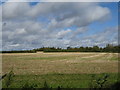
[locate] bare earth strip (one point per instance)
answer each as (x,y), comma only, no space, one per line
(71,63)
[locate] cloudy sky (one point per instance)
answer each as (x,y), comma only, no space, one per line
(28,25)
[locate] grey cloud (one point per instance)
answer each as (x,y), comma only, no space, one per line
(14,10)
(63,33)
(23,29)
(107,36)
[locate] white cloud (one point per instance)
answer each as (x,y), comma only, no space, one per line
(21,31)
(15,45)
(63,33)
(27,27)
(79,31)
(13,10)
(107,36)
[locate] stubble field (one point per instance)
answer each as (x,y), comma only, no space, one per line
(44,63)
(67,65)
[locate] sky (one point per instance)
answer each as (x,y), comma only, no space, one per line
(29,25)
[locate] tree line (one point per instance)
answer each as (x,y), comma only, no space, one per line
(19,51)
(107,48)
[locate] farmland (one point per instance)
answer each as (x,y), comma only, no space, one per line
(69,69)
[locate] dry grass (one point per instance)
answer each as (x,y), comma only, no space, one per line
(45,63)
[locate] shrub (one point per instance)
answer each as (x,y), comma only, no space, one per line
(99,82)
(8,78)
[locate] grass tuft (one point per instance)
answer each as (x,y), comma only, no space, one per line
(8,78)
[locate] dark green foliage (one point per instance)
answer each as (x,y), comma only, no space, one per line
(8,78)
(108,48)
(99,82)
(46,85)
(22,51)
(27,85)
(60,81)
(3,76)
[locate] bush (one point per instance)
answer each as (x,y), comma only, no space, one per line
(99,82)
(8,78)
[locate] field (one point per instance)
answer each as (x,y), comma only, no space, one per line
(64,69)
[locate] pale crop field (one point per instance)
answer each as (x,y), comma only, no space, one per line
(62,62)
